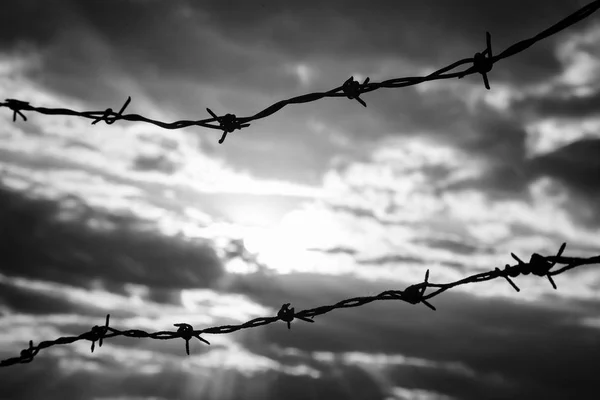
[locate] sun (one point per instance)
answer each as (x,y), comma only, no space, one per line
(285,247)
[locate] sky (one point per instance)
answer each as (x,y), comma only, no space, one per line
(318,203)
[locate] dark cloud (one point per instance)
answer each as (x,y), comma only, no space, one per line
(441,115)
(386,28)
(391,259)
(558,105)
(502,181)
(577,167)
(496,136)
(31,302)
(500,141)
(158,163)
(342,383)
(143,41)
(454,246)
(336,250)
(453,384)
(69,252)
(573,167)
(403,111)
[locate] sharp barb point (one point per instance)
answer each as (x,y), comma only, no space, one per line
(562,248)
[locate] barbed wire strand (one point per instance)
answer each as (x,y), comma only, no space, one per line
(537,265)
(482,63)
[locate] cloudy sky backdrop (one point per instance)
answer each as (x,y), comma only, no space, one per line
(315,204)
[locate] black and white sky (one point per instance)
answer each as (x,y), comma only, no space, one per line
(315,204)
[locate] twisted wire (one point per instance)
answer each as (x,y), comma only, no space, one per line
(481,63)
(537,265)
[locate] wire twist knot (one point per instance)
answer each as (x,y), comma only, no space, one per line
(16,106)
(228,123)
(108,116)
(28,354)
(414,293)
(186,332)
(97,333)
(538,265)
(287,314)
(353,89)
(482,62)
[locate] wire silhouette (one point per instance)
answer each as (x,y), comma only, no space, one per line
(538,265)
(482,63)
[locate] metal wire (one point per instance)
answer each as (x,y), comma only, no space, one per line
(481,63)
(415,294)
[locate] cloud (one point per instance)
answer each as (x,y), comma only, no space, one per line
(355,29)
(310,206)
(157,163)
(71,252)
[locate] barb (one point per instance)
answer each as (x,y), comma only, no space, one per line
(352,89)
(16,106)
(414,294)
(186,332)
(28,354)
(97,333)
(110,116)
(482,64)
(288,315)
(228,123)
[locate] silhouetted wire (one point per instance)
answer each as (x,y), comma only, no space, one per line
(538,265)
(482,63)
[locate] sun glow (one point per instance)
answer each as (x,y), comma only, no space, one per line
(286,246)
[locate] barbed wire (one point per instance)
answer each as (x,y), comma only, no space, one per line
(537,265)
(482,63)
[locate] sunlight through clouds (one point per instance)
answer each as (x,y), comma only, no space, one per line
(320,202)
